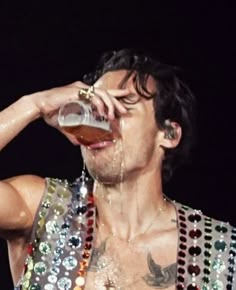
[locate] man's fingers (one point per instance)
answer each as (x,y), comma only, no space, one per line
(119,106)
(99,104)
(80,85)
(118,92)
(105,100)
(105,103)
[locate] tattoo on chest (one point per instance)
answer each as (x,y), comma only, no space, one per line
(158,277)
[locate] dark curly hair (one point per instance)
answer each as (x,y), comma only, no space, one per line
(172,101)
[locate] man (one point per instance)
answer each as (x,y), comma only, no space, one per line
(127,234)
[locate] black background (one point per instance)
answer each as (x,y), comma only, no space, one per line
(42,46)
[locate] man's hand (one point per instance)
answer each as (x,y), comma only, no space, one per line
(49,102)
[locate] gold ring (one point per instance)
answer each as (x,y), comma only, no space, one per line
(86,94)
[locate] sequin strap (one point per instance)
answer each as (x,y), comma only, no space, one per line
(61,244)
(206,252)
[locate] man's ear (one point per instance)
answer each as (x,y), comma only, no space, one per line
(170,135)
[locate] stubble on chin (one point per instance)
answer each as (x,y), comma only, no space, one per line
(104,169)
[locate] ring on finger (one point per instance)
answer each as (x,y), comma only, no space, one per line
(86,94)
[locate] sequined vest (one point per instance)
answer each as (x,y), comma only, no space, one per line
(206,252)
(62,237)
(61,245)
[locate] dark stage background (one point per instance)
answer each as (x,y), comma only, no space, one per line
(44,46)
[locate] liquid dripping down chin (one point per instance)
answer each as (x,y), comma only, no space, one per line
(122,167)
(117,166)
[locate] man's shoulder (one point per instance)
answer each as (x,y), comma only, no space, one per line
(197,216)
(25,180)
(27,184)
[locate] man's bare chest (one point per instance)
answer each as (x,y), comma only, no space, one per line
(119,265)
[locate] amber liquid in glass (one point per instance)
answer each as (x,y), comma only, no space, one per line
(87,135)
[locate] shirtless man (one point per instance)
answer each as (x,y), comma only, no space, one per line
(141,239)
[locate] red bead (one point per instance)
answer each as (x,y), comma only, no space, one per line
(86,255)
(87,246)
(195,234)
(193,287)
(180,287)
(194,269)
(90,222)
(90,231)
(91,199)
(89,213)
(30,249)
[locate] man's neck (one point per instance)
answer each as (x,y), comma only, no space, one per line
(129,208)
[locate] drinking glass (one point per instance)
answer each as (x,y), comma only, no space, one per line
(83,121)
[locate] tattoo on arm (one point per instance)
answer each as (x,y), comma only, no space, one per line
(159,277)
(97,253)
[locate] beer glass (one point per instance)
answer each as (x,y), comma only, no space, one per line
(83,121)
